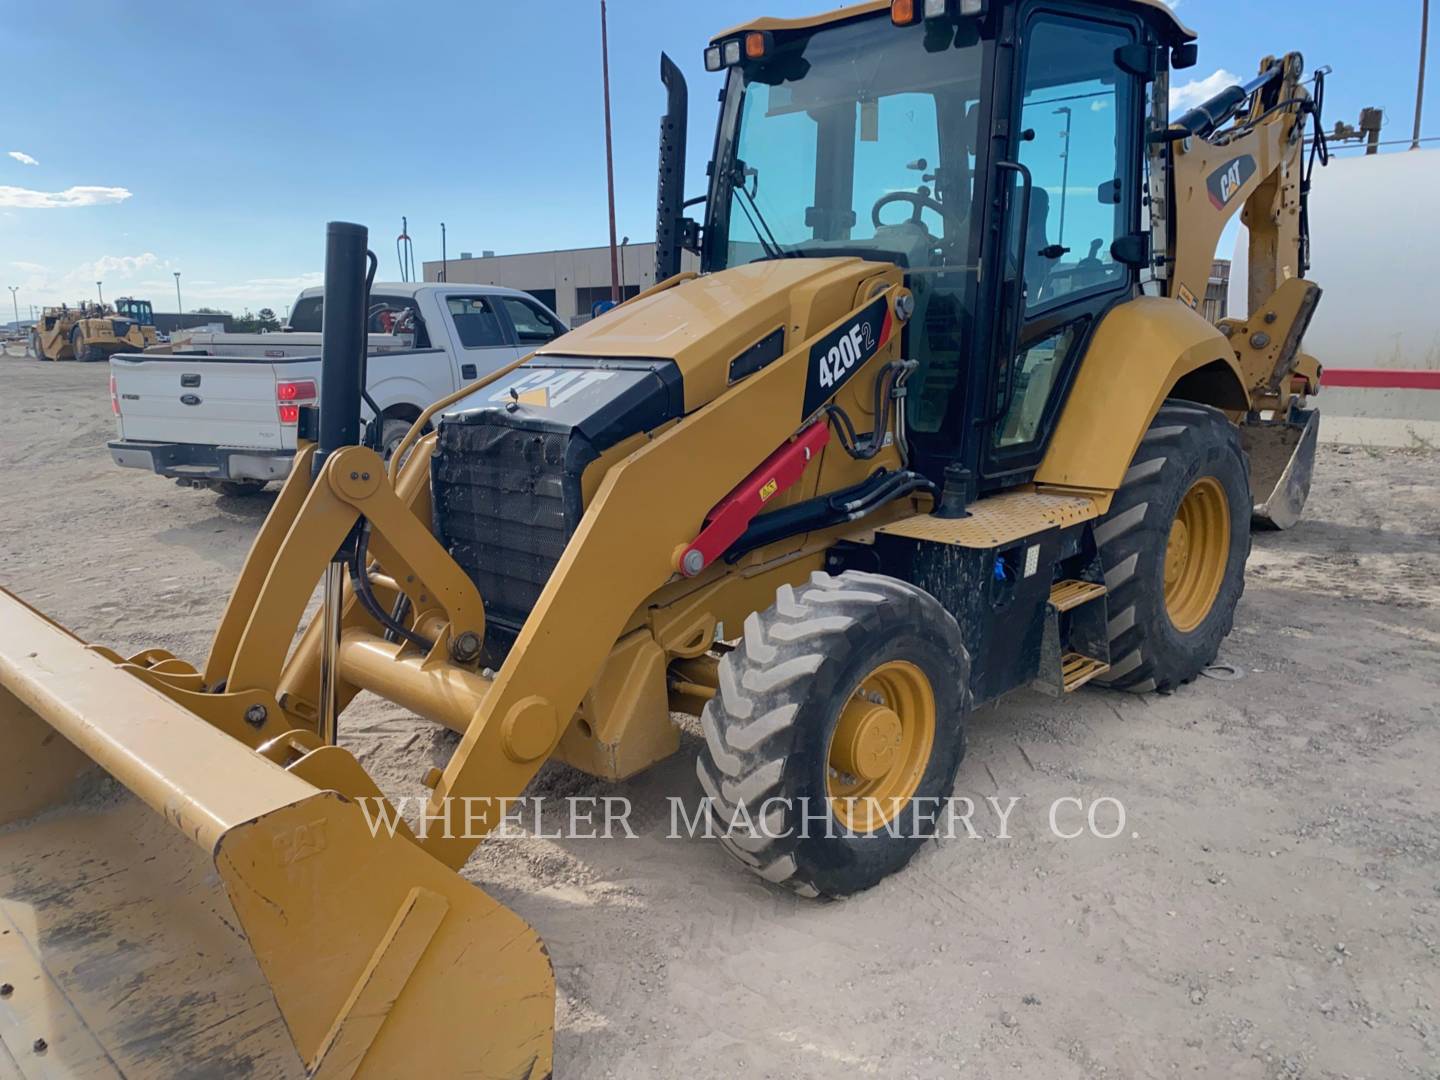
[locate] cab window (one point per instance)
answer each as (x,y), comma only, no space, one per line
(533,325)
(476,322)
(397,315)
(306,315)
(1075,103)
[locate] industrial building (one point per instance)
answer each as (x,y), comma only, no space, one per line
(569,281)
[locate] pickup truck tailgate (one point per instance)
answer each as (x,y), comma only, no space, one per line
(202,400)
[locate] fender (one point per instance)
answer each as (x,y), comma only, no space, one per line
(391,390)
(1143,352)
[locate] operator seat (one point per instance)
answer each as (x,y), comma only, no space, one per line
(1038,266)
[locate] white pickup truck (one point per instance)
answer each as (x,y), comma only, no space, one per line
(229,422)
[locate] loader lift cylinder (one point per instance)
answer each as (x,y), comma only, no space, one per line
(342,338)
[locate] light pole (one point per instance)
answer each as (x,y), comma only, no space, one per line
(179,307)
(13,290)
(1069,115)
(1420,89)
(623,241)
(609,155)
(99,293)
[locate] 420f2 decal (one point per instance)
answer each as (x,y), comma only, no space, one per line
(842,352)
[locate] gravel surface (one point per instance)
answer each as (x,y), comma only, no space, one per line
(1271,907)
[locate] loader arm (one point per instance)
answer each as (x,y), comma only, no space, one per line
(607,571)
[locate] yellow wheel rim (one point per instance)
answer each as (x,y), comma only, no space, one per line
(881,746)
(1196,554)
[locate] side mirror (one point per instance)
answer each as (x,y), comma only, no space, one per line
(1132,250)
(1184,56)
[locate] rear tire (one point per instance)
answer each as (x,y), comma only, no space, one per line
(1173,587)
(870,657)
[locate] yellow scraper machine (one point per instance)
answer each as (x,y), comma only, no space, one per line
(937,419)
(90,332)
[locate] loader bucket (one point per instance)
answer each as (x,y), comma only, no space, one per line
(1282,459)
(213,914)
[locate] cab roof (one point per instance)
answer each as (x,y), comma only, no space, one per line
(1156,10)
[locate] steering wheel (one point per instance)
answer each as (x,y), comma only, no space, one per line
(920,199)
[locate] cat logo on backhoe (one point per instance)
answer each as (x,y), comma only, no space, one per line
(1225,181)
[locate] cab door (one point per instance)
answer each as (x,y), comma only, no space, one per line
(481,337)
(1073,221)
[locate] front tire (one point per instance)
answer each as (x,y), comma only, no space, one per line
(841,713)
(392,431)
(83,353)
(1174,546)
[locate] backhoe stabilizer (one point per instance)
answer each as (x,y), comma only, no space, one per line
(287,931)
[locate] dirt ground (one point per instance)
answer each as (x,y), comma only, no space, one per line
(1270,909)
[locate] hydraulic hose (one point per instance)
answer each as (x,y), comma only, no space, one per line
(360,581)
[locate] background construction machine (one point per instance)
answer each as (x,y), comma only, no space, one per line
(93,331)
(899,448)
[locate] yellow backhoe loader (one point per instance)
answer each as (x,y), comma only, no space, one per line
(937,419)
(91,332)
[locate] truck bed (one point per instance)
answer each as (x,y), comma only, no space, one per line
(219,400)
(268,346)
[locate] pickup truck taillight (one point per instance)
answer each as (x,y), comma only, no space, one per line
(114,397)
(290,394)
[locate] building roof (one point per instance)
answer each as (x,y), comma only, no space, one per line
(410,288)
(1156,9)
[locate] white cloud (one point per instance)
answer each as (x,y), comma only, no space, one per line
(122,265)
(1196,91)
(27,199)
(58,285)
(23,158)
(234,296)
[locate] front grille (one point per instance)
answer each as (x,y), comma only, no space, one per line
(507,500)
(505,475)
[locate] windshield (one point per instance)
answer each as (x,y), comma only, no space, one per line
(860,139)
(139,310)
(859,136)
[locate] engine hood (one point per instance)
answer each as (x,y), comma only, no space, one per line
(708,324)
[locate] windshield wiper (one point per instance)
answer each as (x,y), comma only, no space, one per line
(761,228)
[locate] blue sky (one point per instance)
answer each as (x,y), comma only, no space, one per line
(217,139)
